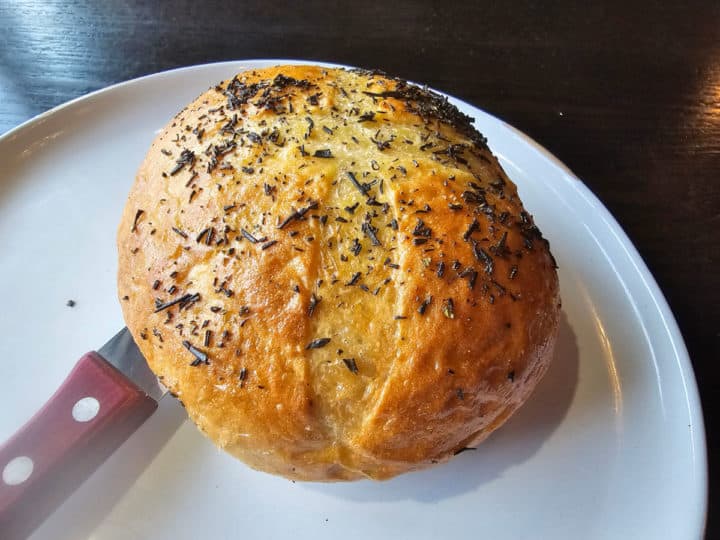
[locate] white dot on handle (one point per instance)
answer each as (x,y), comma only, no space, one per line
(17,470)
(85,409)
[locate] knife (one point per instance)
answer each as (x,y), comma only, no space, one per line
(104,399)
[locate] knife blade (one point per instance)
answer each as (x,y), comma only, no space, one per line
(104,399)
(122,353)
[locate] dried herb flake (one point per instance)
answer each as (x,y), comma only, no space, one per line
(351,365)
(317,343)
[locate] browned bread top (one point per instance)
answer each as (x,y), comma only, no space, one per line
(334,274)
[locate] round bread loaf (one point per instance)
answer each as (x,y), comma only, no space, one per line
(332,272)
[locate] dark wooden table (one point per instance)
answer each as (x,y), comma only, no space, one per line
(628,96)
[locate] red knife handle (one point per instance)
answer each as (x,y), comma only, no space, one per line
(94,411)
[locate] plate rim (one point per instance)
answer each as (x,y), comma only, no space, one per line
(680,353)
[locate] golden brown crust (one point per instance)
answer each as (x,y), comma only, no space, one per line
(297,204)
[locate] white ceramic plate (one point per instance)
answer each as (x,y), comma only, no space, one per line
(611,445)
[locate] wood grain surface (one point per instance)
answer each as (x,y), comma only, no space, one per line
(627,94)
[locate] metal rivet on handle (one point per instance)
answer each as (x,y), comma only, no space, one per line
(17,470)
(85,409)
